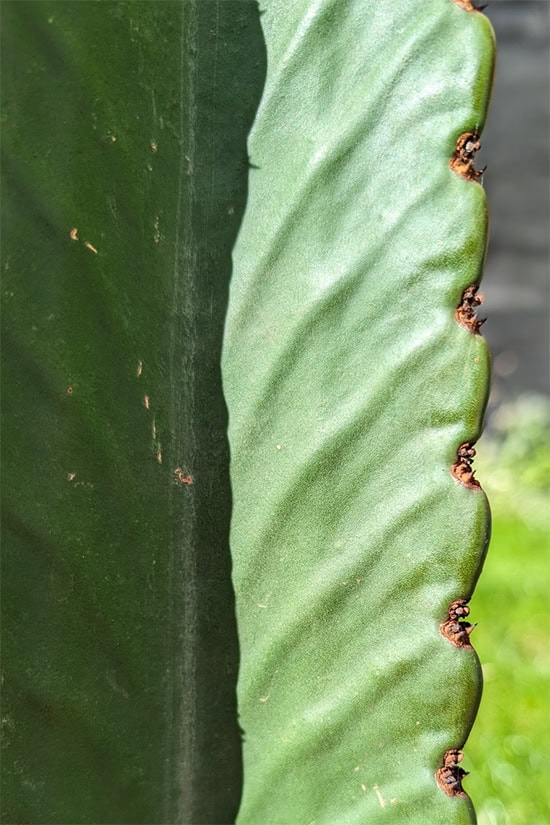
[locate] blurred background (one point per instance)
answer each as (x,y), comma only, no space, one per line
(508,752)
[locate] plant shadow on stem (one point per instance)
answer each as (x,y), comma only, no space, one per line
(230,72)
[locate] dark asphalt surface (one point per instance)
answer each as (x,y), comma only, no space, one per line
(516,283)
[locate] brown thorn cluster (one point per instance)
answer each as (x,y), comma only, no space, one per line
(465,313)
(462,162)
(462,468)
(449,777)
(455,629)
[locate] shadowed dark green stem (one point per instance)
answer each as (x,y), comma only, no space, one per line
(125,169)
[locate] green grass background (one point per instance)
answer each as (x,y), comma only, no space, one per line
(508,752)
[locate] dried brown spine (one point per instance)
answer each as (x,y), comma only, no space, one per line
(465,313)
(462,161)
(455,630)
(467,5)
(449,776)
(462,468)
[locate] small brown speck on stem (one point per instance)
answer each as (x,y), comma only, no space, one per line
(183,479)
(69,390)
